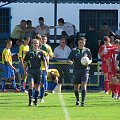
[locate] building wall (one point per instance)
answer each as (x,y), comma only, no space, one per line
(70,12)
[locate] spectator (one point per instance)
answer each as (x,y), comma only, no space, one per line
(18,33)
(69,31)
(8,68)
(61,53)
(42,29)
(30,31)
(104,31)
(92,40)
(117,32)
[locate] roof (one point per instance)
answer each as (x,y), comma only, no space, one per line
(64,1)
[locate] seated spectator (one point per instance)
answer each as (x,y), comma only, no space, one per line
(52,79)
(62,51)
(18,33)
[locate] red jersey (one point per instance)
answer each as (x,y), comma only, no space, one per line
(105,49)
(112,54)
(104,57)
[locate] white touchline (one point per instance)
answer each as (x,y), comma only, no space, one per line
(67,117)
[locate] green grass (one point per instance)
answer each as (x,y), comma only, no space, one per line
(98,106)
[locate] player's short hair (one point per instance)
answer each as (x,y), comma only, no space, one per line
(61,20)
(117,41)
(38,36)
(26,38)
(82,38)
(106,38)
(8,41)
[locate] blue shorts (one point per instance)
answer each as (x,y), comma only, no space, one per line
(21,71)
(8,72)
(81,76)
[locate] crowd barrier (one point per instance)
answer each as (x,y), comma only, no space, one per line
(66,73)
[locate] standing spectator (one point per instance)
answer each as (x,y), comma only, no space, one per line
(18,33)
(42,29)
(104,31)
(33,60)
(81,72)
(117,32)
(30,31)
(24,48)
(69,31)
(92,40)
(61,53)
(8,68)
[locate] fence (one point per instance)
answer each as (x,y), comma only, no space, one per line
(66,73)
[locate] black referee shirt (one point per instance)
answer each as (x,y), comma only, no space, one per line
(76,55)
(33,58)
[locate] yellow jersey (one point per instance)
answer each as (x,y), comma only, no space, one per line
(42,65)
(6,56)
(22,51)
(52,70)
(50,52)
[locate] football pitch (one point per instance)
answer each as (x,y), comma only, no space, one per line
(98,106)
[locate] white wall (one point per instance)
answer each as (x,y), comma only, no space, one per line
(70,12)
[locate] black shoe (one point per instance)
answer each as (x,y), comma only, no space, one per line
(82,104)
(112,95)
(30,104)
(35,103)
(77,103)
(46,93)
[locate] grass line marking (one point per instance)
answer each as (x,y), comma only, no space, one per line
(67,116)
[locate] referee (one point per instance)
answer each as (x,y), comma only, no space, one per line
(81,72)
(33,60)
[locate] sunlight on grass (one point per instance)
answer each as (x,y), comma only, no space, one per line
(98,106)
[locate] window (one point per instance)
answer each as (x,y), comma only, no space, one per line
(5,23)
(98,17)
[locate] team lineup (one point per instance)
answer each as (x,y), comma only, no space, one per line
(34,56)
